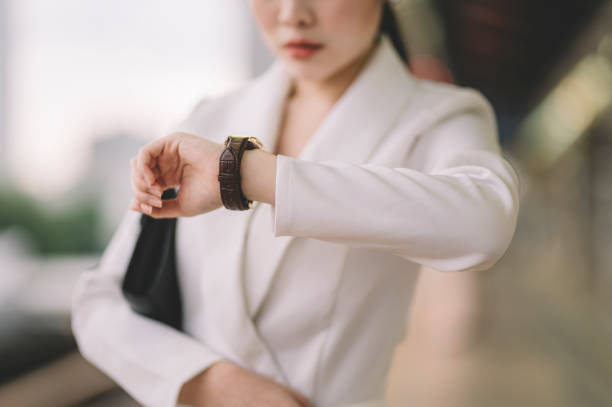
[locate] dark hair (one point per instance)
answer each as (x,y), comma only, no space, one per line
(389,26)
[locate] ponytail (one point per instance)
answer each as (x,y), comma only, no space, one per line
(389,26)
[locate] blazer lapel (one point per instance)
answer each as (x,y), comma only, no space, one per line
(357,123)
(351,131)
(365,113)
(257,112)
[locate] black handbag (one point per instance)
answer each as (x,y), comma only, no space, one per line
(151,284)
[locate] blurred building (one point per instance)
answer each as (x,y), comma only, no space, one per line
(107,179)
(3,88)
(545,336)
(508,48)
(79,69)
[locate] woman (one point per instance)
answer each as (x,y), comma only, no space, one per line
(366,175)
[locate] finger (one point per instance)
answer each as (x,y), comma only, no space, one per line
(139,184)
(170,209)
(147,158)
(148,199)
(135,205)
(157,174)
(300,398)
(136,179)
(148,209)
(149,196)
(140,207)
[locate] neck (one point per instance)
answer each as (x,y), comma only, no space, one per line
(332,87)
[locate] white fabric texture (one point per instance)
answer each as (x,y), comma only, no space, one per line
(313,291)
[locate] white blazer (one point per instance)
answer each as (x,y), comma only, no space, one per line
(313,292)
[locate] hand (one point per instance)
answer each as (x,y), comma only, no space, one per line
(226,384)
(183,160)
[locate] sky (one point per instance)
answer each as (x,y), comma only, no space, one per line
(85,69)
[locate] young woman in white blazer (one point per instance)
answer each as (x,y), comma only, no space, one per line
(367,174)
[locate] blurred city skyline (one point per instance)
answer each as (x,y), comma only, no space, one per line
(79,71)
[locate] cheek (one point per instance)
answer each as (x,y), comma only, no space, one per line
(352,20)
(265,12)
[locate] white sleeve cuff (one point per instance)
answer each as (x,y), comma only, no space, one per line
(283,206)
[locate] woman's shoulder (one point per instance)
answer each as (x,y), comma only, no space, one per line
(435,101)
(440,97)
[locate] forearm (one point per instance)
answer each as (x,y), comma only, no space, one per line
(258,175)
(456,219)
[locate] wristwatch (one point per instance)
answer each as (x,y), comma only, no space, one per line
(229,171)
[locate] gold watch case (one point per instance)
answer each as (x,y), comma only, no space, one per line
(252,139)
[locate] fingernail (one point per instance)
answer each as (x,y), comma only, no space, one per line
(156,202)
(146,208)
(156,192)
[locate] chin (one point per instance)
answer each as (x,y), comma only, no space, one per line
(309,70)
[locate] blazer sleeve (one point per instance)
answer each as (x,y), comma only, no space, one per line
(457,212)
(148,359)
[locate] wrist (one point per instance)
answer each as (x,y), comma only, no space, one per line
(193,392)
(258,175)
(190,391)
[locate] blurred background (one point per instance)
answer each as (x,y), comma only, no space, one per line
(84,84)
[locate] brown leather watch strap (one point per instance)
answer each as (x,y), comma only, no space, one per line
(229,171)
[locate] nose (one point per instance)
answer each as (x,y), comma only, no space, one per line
(295,13)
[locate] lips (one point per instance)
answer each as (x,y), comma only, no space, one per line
(302,48)
(303,43)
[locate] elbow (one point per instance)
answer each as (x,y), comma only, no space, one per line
(80,312)
(80,309)
(483,238)
(476,240)
(476,255)
(90,296)
(494,224)
(490,253)
(494,235)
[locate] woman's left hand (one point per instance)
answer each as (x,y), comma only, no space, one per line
(183,160)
